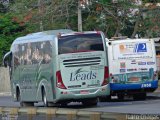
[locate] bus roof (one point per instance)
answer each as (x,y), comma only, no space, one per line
(48,35)
(129,39)
(52,32)
(84,32)
(42,34)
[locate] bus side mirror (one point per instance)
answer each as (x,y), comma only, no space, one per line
(5,63)
(7,59)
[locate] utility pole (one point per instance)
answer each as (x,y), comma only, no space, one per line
(79,16)
(41,11)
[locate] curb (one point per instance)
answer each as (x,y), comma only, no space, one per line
(5,94)
(158,90)
(58,113)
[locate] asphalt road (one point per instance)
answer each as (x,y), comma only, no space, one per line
(150,106)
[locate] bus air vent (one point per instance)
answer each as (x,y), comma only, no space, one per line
(82,62)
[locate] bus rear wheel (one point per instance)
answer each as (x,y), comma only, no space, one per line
(105,99)
(139,96)
(120,97)
(91,102)
(18,95)
(44,98)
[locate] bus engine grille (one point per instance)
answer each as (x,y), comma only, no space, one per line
(82,62)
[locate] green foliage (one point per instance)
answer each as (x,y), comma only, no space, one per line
(3,8)
(9,31)
(100,15)
(151,22)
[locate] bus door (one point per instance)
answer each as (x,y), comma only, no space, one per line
(15,69)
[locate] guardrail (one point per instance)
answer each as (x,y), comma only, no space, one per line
(56,113)
(4,80)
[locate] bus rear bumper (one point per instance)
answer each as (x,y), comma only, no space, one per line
(80,94)
(149,86)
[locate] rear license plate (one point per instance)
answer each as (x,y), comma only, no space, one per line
(134,79)
(84,92)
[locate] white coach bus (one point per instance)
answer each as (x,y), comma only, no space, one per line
(58,67)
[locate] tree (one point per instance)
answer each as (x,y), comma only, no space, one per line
(114,17)
(98,15)
(10,29)
(151,19)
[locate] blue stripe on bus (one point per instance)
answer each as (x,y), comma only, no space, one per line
(149,84)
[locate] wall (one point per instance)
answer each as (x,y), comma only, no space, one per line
(4,80)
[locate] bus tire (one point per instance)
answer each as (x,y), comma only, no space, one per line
(63,104)
(44,98)
(105,99)
(51,104)
(18,95)
(120,96)
(139,96)
(91,102)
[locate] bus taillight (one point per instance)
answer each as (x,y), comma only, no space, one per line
(106,77)
(59,82)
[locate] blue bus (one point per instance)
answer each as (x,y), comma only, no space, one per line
(132,67)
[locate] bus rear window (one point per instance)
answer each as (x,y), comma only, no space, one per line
(80,43)
(132,50)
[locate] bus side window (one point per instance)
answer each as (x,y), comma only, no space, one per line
(16,59)
(36,55)
(47,52)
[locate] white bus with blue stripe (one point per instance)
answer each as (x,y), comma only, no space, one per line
(132,67)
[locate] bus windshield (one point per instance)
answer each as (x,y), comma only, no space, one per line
(80,43)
